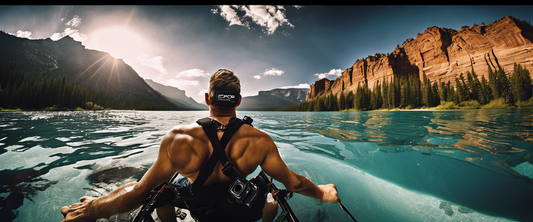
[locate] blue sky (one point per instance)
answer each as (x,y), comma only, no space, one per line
(266,46)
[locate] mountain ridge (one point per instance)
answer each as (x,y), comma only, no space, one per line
(177,96)
(273,99)
(92,69)
(442,54)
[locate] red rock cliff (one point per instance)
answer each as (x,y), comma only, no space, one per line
(442,54)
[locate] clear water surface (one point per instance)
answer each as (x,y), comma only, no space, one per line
(460,165)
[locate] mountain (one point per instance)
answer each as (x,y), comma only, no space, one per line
(94,70)
(442,54)
(177,96)
(273,99)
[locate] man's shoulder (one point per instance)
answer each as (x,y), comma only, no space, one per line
(184,132)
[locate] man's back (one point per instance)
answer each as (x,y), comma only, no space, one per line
(189,149)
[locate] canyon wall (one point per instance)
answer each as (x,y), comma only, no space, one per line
(442,54)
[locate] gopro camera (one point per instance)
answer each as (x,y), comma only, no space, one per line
(244,191)
(226,97)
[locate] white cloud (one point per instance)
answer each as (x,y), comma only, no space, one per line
(154,62)
(70,32)
(74,33)
(192,73)
(202,92)
(273,72)
(267,16)
(181,84)
(23,34)
(333,72)
(229,14)
(74,22)
(257,77)
(299,86)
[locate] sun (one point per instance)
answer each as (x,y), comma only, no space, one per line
(120,42)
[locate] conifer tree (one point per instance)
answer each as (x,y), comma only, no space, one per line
(521,85)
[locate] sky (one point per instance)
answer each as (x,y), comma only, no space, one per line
(267,46)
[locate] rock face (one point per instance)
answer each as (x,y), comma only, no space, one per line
(442,54)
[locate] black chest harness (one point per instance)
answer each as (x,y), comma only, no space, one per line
(238,200)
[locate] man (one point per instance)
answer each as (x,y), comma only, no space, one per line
(186,149)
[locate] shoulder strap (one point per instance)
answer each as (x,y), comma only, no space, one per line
(218,149)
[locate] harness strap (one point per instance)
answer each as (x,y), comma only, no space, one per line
(218,150)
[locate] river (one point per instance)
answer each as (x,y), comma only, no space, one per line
(423,165)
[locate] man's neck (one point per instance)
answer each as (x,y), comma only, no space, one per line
(220,113)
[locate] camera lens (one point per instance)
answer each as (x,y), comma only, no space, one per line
(238,188)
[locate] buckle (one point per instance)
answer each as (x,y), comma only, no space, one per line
(227,166)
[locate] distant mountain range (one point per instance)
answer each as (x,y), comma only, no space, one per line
(273,99)
(105,77)
(176,96)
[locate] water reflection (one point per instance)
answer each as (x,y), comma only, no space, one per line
(498,140)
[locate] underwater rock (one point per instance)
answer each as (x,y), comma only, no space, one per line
(447,207)
(115,174)
(448,210)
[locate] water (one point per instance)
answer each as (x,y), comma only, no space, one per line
(461,165)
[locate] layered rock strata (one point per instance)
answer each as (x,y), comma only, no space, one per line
(442,54)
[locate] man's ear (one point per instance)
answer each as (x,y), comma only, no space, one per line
(207,99)
(239,102)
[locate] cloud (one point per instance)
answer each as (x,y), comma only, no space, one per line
(154,62)
(268,17)
(270,72)
(181,84)
(299,86)
(23,34)
(74,22)
(229,14)
(192,73)
(333,72)
(273,72)
(202,92)
(74,33)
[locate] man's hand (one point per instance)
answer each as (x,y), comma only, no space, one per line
(330,193)
(78,211)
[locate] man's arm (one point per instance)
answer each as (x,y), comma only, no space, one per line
(128,197)
(274,166)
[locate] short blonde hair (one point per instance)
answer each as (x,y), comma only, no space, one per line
(223,78)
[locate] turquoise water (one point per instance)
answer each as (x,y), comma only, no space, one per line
(461,165)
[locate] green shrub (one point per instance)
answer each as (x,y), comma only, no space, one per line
(471,104)
(446,105)
(497,103)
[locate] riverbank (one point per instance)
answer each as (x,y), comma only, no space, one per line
(472,104)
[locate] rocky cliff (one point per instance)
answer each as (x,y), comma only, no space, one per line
(442,54)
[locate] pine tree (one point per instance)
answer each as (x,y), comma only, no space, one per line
(504,86)
(474,85)
(485,91)
(342,101)
(521,85)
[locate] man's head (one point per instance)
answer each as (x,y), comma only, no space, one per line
(224,89)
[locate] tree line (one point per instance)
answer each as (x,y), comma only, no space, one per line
(410,92)
(19,90)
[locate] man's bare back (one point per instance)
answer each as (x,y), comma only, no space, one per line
(189,149)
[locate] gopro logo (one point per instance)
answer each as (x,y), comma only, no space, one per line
(225,97)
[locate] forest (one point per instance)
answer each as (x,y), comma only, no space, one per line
(411,92)
(19,90)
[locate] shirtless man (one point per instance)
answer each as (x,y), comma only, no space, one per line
(185,149)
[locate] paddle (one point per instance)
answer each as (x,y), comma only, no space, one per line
(346,210)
